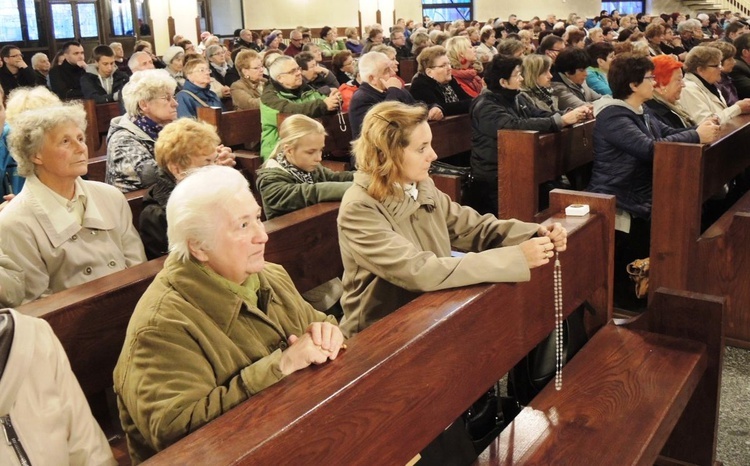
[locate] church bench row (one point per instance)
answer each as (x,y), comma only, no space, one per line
(717,260)
(91,319)
(404,379)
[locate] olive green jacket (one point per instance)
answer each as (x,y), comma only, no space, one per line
(194,349)
(394,250)
(283,193)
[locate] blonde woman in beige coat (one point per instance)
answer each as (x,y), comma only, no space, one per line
(396,230)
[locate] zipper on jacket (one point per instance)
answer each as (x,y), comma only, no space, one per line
(11,438)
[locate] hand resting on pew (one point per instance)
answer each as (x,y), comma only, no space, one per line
(539,251)
(320,342)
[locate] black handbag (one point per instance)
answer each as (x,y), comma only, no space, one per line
(441,168)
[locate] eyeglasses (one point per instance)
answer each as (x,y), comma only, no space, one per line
(15,56)
(445,66)
(292,71)
(650,77)
(714,66)
(202,70)
(257,68)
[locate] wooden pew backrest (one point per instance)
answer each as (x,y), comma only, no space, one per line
(239,129)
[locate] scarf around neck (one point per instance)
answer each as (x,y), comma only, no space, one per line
(148,126)
(301,175)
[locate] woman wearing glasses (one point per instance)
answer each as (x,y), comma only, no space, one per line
(246,92)
(197,89)
(435,85)
(624,138)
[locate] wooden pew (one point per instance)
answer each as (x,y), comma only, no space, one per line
(407,68)
(398,385)
(135,201)
(91,319)
(97,168)
(98,117)
(526,159)
(338,136)
(715,261)
(238,129)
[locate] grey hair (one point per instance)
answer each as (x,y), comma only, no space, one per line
(700,57)
(370,63)
(277,66)
(133,61)
(31,127)
(115,45)
(386,49)
(36,57)
(212,49)
(146,85)
(690,24)
(192,213)
(28,98)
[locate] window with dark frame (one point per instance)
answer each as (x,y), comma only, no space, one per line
(628,7)
(448,10)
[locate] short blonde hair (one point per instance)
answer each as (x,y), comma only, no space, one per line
(243,59)
(191,65)
(727,50)
(379,150)
(30,128)
(182,140)
(384,49)
(146,85)
(456,47)
(28,98)
(294,128)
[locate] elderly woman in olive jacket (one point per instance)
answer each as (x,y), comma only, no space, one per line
(218,324)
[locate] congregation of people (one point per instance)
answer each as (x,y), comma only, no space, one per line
(218,324)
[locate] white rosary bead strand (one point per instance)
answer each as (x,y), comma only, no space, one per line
(557,282)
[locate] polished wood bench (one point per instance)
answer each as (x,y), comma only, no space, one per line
(91,319)
(99,117)
(135,201)
(526,159)
(717,260)
(399,383)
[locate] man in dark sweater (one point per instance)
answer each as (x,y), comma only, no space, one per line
(104,85)
(15,72)
(65,79)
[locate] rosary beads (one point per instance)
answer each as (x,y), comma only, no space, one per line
(557,281)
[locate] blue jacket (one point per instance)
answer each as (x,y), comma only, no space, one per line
(11,182)
(187,106)
(624,153)
(597,81)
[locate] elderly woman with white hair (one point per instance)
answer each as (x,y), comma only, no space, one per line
(218,324)
(62,230)
(149,105)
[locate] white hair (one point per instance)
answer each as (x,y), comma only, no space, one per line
(133,61)
(196,205)
(35,59)
(31,127)
(146,85)
(370,64)
(278,64)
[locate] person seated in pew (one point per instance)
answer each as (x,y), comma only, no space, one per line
(486,48)
(390,52)
(464,65)
(396,230)
(353,43)
(378,84)
(435,85)
(498,108)
(218,324)
(183,145)
(220,69)
(601,54)
(246,92)
(140,61)
(624,138)
(342,66)
(330,44)
(43,412)
(65,79)
(536,87)
(294,179)
(315,75)
(12,182)
(173,57)
(569,79)
(197,90)
(348,89)
(286,93)
(149,105)
(106,83)
(725,84)
(120,62)
(701,97)
(668,85)
(62,230)
(41,65)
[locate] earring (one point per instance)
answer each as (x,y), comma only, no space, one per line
(247,76)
